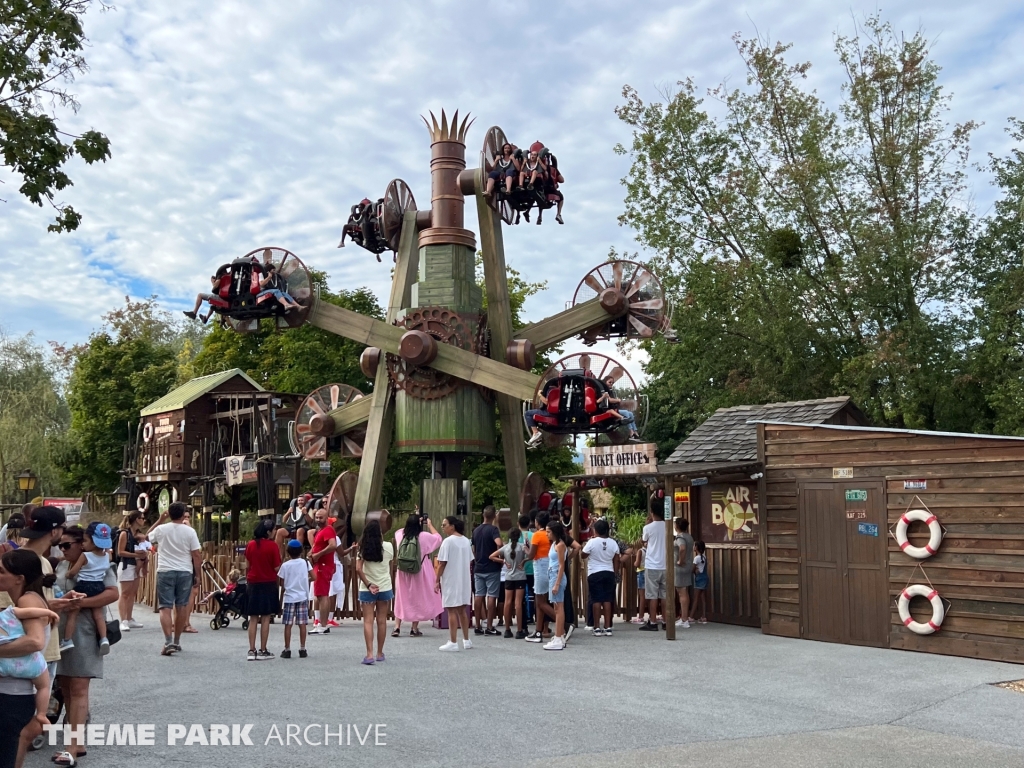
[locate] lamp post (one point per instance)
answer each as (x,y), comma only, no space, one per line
(121,496)
(26,482)
(283,488)
(195,499)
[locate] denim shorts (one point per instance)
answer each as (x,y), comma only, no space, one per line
(173,588)
(366,596)
(540,578)
(558,597)
(487,584)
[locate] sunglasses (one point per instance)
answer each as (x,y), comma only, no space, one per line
(65,545)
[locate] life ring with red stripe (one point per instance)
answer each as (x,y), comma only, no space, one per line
(938,611)
(142,503)
(147,432)
(934,533)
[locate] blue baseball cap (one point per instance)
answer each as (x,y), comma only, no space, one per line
(294,544)
(100,535)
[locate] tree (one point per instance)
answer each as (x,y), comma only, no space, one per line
(808,250)
(41,44)
(33,415)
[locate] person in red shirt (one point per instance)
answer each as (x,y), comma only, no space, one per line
(264,559)
(321,555)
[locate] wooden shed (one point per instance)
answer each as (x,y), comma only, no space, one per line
(832,496)
(714,470)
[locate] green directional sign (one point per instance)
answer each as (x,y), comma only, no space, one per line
(856,495)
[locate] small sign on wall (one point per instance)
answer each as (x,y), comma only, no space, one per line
(856,514)
(915,485)
(867,529)
(682,497)
(842,473)
(626,459)
(856,494)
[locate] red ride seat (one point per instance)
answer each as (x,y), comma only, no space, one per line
(589,399)
(594,420)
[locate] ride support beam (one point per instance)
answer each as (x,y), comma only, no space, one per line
(381,418)
(557,328)
(460,363)
(499,319)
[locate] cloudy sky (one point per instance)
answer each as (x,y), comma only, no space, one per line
(240,124)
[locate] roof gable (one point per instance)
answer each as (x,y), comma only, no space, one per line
(730,434)
(192,390)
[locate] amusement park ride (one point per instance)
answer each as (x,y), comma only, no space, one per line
(440,363)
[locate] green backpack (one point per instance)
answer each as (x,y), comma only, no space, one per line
(409,560)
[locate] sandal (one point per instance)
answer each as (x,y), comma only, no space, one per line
(417,633)
(193,631)
(64,758)
(398,632)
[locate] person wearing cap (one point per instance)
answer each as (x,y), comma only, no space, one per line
(295,574)
(90,572)
(11,532)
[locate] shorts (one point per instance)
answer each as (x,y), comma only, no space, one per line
(488,584)
(322,577)
(512,586)
(558,597)
(503,173)
(295,613)
(654,587)
(173,588)
(640,581)
(366,596)
(684,577)
(293,530)
(602,587)
(91,588)
(540,579)
(127,573)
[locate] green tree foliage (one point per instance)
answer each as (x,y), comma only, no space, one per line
(41,43)
(807,249)
(33,416)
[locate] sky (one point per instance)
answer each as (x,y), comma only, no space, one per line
(235,125)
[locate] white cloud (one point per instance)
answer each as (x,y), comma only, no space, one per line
(235,125)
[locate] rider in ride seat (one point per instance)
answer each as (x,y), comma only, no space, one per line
(505,169)
(533,169)
(628,418)
(273,286)
(221,284)
(552,178)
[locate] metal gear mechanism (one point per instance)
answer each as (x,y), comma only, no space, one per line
(447,327)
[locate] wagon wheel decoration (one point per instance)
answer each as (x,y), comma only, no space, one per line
(297,284)
(397,200)
(648,310)
(494,140)
(601,367)
(533,486)
(423,382)
(318,403)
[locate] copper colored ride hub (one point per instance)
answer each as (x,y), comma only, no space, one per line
(614,301)
(369,361)
(417,348)
(322,424)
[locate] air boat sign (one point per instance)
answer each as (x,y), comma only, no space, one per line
(628,459)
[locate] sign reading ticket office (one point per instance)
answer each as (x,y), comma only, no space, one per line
(627,459)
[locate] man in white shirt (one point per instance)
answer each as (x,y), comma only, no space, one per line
(178,564)
(654,558)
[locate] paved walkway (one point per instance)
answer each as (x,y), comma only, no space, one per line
(719,696)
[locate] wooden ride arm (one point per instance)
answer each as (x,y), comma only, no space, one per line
(575,320)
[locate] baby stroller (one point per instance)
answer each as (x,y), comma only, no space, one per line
(226,605)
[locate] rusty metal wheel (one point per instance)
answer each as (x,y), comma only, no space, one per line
(447,327)
(297,284)
(649,311)
(398,200)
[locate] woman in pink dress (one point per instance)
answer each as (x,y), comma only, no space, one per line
(415,598)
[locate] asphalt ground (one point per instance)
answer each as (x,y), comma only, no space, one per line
(718,696)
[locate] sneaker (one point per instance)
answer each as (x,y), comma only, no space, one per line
(597,631)
(683,624)
(314,630)
(333,623)
(126,627)
(636,620)
(588,628)
(133,624)
(492,632)
(190,315)
(558,218)
(703,621)
(534,638)
(104,646)
(568,633)
(508,633)
(264,655)
(286,653)
(66,645)
(467,645)
(449,647)
(521,634)
(607,633)
(648,627)
(556,644)
(535,438)
(479,630)
(302,653)
(250,656)
(324,631)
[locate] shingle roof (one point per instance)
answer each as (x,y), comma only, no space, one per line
(193,390)
(731,435)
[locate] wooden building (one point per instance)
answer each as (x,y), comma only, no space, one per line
(832,496)
(712,478)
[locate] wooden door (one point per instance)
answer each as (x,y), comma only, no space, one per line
(843,573)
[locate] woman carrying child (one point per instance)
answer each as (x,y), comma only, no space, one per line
(373,571)
(24,632)
(90,570)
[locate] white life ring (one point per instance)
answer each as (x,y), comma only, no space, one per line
(142,503)
(147,432)
(934,533)
(938,612)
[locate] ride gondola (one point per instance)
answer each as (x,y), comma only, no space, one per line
(377,226)
(524,195)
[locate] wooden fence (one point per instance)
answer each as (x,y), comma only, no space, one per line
(226,556)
